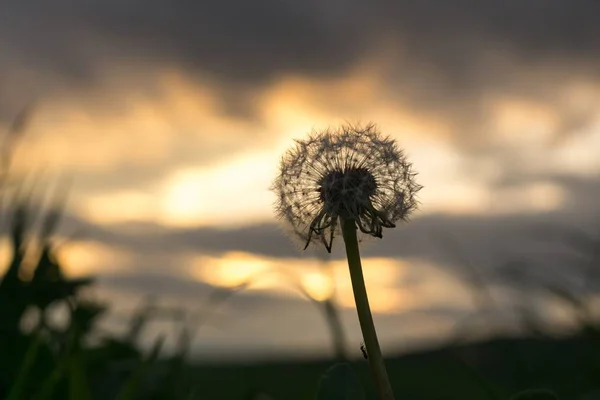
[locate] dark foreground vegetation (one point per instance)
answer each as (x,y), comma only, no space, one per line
(494,369)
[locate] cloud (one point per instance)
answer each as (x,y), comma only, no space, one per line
(133,92)
(155,259)
(130,92)
(247,43)
(245,325)
(431,52)
(559,240)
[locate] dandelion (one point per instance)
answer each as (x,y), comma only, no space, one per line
(340,182)
(349,174)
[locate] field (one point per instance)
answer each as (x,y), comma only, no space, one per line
(488,370)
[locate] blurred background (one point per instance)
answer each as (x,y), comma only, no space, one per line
(155,128)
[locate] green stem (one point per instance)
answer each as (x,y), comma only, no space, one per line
(364,311)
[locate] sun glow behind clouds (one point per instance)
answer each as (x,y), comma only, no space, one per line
(79,259)
(91,258)
(231,193)
(121,206)
(184,122)
(320,280)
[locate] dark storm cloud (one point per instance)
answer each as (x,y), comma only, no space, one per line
(253,41)
(442,50)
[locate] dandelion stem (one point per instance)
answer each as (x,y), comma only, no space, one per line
(364,311)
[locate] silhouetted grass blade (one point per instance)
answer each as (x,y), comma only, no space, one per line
(49,385)
(78,384)
(131,386)
(20,385)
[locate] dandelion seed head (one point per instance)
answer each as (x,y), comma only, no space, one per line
(349,173)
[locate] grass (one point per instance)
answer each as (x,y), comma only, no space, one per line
(484,370)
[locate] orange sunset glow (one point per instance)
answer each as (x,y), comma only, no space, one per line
(171,137)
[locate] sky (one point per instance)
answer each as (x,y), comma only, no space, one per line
(170,118)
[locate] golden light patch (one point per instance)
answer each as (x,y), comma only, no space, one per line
(581,95)
(314,97)
(229,270)
(273,275)
(534,197)
(5,254)
(91,258)
(77,259)
(382,276)
(318,285)
(545,196)
(183,199)
(578,153)
(382,300)
(447,189)
(233,193)
(523,122)
(122,206)
(456,198)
